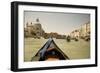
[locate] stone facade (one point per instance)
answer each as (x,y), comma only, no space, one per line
(75,33)
(85,30)
(82,32)
(33,30)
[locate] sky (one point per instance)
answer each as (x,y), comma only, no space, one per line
(62,23)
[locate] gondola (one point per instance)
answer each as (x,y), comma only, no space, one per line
(50,51)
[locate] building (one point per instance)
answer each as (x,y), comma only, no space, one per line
(34,29)
(75,34)
(82,32)
(85,30)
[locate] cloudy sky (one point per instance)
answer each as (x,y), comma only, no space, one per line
(62,23)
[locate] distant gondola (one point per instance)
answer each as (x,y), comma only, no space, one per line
(50,51)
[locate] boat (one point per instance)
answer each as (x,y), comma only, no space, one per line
(50,51)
